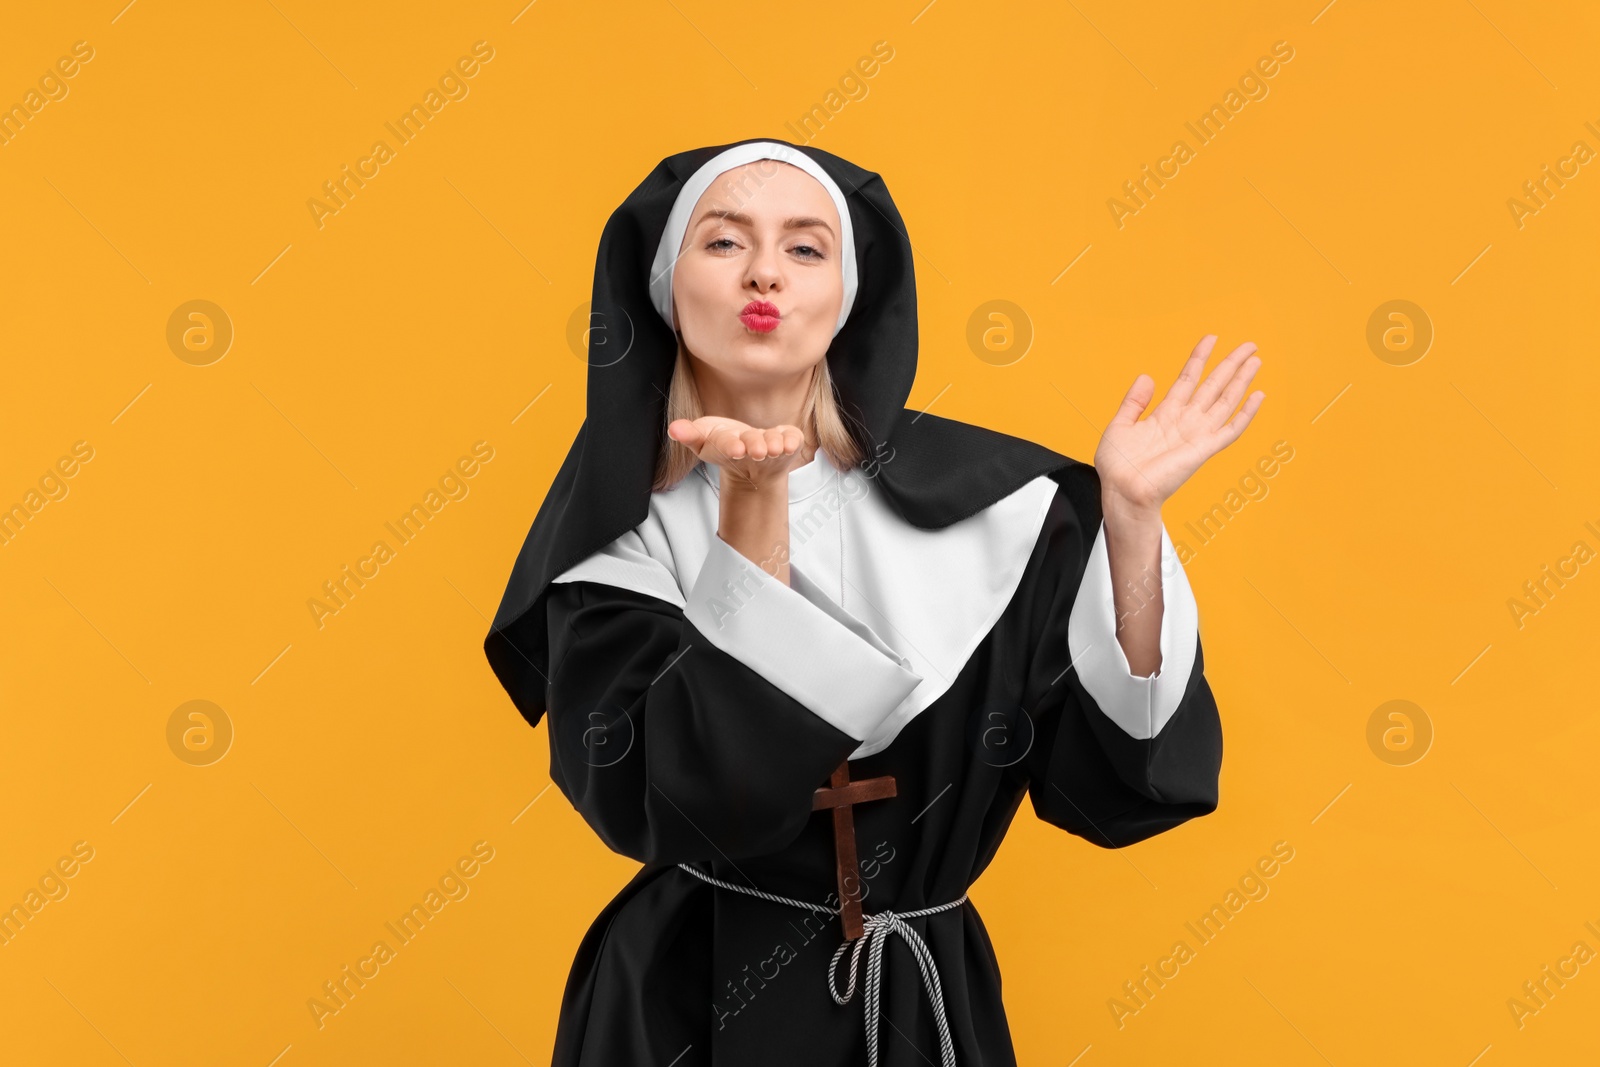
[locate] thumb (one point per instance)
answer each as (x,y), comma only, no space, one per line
(1137,399)
(685,432)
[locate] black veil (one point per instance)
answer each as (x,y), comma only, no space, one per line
(934,471)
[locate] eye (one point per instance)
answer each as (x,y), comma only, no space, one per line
(815,253)
(720,240)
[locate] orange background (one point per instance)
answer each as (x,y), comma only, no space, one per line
(369,754)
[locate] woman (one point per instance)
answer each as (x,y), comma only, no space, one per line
(757,574)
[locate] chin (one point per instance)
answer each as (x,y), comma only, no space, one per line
(761,353)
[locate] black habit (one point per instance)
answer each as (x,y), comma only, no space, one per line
(677,752)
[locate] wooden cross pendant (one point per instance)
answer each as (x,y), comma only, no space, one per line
(839,794)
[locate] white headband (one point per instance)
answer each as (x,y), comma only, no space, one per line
(700,181)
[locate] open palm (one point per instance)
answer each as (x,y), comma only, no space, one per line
(1144,461)
(745,454)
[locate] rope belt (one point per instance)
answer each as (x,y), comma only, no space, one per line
(876,929)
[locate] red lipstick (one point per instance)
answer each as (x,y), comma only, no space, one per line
(760,315)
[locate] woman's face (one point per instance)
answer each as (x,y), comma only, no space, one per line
(768,232)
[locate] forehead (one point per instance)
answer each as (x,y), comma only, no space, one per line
(767,188)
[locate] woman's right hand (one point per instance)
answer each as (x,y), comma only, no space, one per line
(746,456)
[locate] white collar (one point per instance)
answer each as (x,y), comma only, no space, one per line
(931,595)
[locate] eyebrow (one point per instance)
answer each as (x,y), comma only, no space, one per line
(797,223)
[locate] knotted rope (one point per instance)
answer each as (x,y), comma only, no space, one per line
(875,934)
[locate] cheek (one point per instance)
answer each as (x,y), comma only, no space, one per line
(692,289)
(704,319)
(828,297)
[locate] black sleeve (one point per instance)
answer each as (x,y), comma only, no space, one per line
(672,749)
(1087,775)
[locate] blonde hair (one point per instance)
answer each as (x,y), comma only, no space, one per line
(683,402)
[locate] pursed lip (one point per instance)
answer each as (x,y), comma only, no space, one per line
(762,316)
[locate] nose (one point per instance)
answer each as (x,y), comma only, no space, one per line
(764,274)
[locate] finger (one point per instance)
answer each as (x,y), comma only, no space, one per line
(1223,406)
(728,435)
(775,447)
(686,433)
(728,441)
(1189,377)
(756,443)
(1236,425)
(1223,373)
(1136,400)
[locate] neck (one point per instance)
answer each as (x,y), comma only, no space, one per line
(760,403)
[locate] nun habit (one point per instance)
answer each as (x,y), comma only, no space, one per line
(949,623)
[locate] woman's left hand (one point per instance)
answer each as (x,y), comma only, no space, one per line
(1142,462)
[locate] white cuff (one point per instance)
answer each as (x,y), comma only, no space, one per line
(799,640)
(1141,706)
